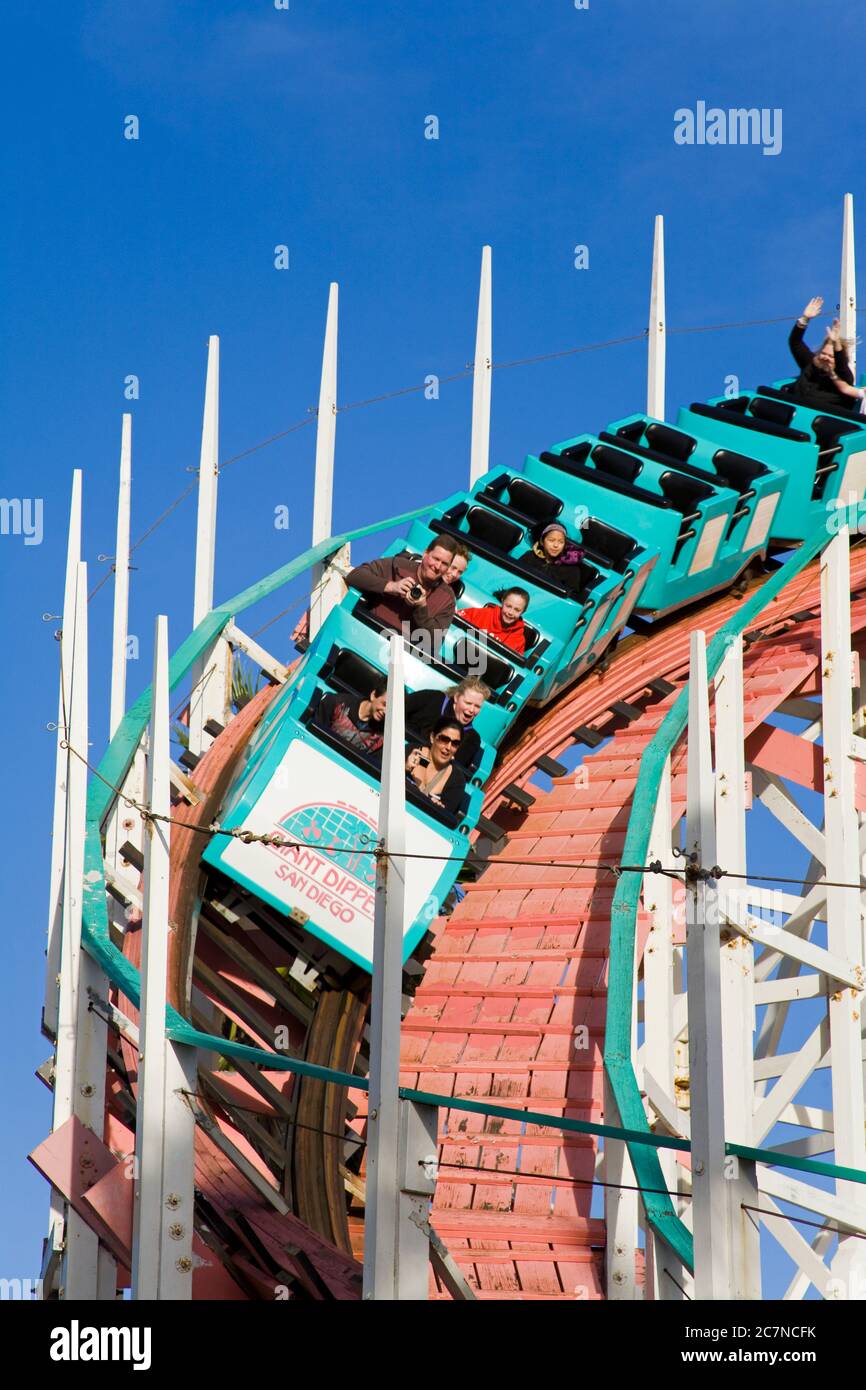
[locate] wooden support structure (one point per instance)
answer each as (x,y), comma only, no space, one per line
(165,1129)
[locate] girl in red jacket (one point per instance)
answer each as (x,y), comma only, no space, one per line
(505,623)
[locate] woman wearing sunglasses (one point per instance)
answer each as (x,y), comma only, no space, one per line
(432,768)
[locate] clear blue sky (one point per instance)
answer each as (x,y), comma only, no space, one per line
(305,127)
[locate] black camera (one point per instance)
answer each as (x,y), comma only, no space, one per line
(416,592)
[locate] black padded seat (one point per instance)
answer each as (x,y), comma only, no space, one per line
(351,672)
(474,655)
(532,501)
(732,417)
(526,503)
(675,443)
(787,393)
(502,559)
(612,548)
(685,493)
(656,456)
(739,469)
(458,586)
(777,412)
(617,462)
(606,480)
(498,531)
(828,430)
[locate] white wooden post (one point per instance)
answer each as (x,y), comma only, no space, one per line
(658,1046)
(655,399)
(482,375)
(79,1070)
(211,674)
(848,286)
(163,1213)
(381,1224)
(327,586)
(61,766)
(842,860)
(124,824)
(737,975)
(706,1085)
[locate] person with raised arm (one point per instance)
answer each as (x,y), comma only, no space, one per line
(826,381)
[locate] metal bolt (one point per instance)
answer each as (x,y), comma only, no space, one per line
(175,1230)
(183,1265)
(172,1201)
(87,1089)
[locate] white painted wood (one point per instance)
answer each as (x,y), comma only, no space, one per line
(706,1080)
(655,402)
(844,930)
(251,648)
(79,1073)
(620,1212)
(381,1216)
(61,765)
(848,284)
(482,374)
(211,674)
(162,1227)
(121,581)
(327,587)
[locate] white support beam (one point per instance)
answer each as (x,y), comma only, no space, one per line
(848,284)
(381,1262)
(211,674)
(164,1140)
(121,581)
(327,586)
(482,374)
(79,1072)
(61,765)
(706,1050)
(844,931)
(656,342)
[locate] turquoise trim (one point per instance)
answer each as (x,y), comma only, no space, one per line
(621,983)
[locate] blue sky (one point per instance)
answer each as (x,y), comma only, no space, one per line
(305,127)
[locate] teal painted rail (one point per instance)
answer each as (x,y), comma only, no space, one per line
(623,928)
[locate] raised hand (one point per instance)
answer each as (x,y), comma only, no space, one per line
(814,307)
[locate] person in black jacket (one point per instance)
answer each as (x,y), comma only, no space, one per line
(462,702)
(555,556)
(825,381)
(432,767)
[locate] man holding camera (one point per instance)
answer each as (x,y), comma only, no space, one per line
(411,593)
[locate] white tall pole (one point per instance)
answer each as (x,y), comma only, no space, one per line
(79,1068)
(210,674)
(381,1221)
(61,765)
(848,286)
(706,1082)
(163,1214)
(655,396)
(327,587)
(121,581)
(842,862)
(124,824)
(483,373)
(737,975)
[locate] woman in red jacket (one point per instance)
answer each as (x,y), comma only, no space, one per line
(505,623)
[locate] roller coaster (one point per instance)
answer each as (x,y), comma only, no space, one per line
(520,947)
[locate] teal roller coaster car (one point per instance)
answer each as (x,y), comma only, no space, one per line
(664,515)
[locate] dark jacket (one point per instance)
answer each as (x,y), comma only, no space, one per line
(571,577)
(451,794)
(813,386)
(425,707)
(434,616)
